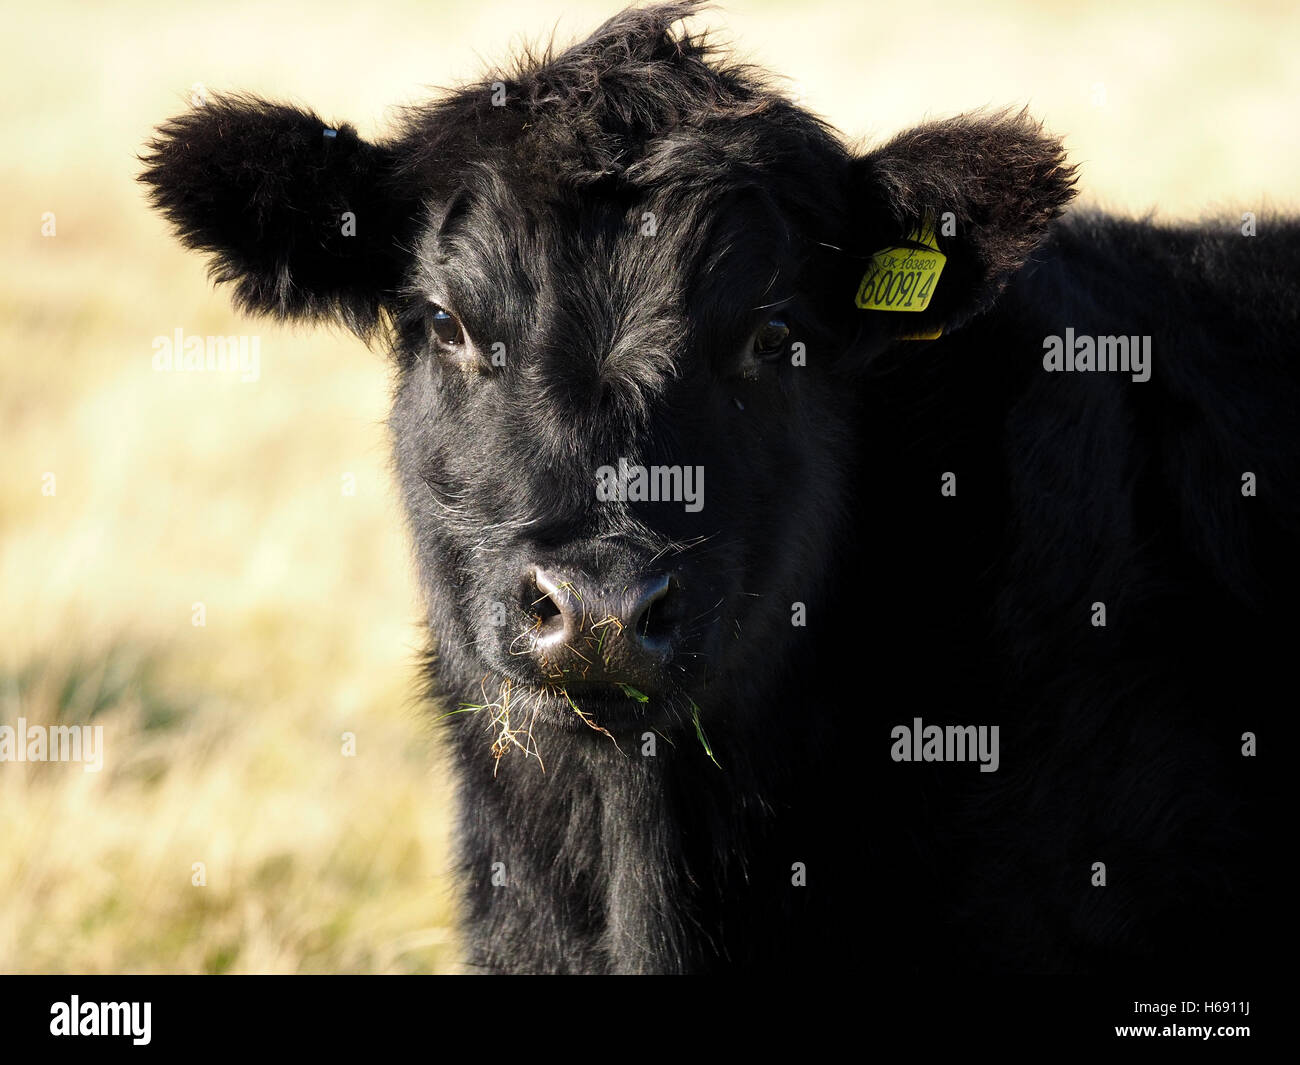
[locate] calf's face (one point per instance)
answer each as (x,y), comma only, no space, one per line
(609,454)
(618,287)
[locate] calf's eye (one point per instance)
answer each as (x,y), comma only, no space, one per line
(770,339)
(446,328)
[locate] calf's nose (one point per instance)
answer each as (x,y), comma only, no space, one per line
(587,633)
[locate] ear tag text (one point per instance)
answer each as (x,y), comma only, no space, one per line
(903,278)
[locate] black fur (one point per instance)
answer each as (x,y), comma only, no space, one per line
(1119,744)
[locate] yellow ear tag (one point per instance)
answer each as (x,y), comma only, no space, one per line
(903,279)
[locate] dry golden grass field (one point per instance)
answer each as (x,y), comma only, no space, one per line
(128,496)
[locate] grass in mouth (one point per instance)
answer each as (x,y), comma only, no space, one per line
(505,735)
(586,720)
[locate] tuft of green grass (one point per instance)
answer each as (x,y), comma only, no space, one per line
(633,693)
(465,708)
(699,733)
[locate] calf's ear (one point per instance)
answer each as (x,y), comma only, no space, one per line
(981,189)
(304,219)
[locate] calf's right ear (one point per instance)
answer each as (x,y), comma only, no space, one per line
(304,219)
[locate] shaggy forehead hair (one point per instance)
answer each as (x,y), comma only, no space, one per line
(535,206)
(635,105)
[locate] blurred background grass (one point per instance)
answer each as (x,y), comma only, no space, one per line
(223,742)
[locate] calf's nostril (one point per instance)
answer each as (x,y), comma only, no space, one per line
(548,601)
(648,616)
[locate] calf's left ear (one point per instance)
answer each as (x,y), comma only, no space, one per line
(981,190)
(303,218)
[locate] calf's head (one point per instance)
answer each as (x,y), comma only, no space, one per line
(618,286)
